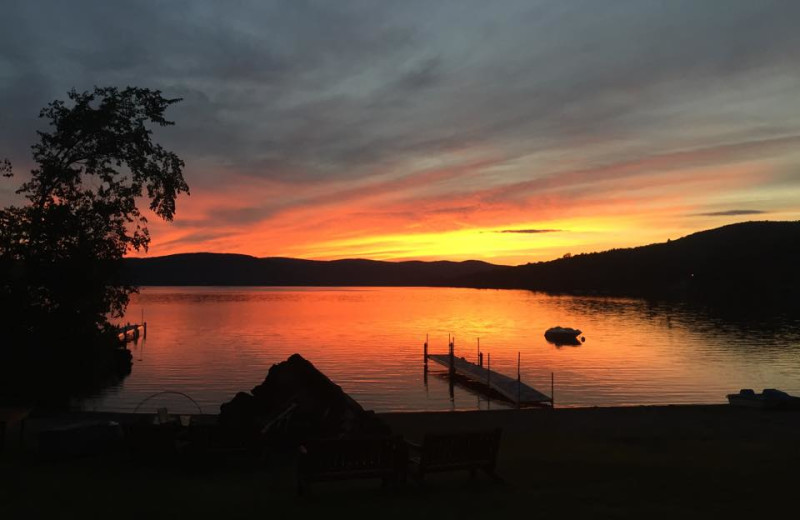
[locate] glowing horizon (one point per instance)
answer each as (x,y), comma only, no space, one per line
(406,218)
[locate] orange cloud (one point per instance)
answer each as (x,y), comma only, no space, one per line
(454,211)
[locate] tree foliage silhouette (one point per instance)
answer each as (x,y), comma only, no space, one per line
(61,250)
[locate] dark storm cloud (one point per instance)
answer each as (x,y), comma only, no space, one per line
(297,90)
(732,212)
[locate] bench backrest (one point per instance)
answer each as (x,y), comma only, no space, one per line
(460,449)
(332,456)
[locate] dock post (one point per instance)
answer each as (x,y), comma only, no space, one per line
(489,370)
(452,359)
(425,365)
(452,369)
(144,325)
(452,391)
(552,392)
(519,383)
(480,359)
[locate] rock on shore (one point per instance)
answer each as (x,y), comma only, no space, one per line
(321,407)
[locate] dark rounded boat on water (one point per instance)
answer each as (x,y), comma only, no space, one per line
(562,336)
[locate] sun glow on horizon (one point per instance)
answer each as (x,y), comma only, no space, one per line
(528,242)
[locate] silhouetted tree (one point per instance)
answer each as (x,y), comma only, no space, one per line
(60,251)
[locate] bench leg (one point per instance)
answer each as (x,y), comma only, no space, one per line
(303,489)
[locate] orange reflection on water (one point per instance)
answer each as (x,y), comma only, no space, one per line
(214,342)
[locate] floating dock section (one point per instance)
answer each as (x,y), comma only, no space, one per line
(510,388)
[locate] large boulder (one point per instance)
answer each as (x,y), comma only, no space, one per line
(318,407)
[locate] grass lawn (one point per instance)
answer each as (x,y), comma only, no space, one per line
(652,462)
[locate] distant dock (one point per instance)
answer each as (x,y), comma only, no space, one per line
(132,332)
(487,380)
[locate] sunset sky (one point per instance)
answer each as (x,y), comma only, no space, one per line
(507,131)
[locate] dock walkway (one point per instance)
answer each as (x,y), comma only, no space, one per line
(510,388)
(131,332)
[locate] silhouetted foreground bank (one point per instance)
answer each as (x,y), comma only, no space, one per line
(653,462)
(62,242)
(54,373)
(648,461)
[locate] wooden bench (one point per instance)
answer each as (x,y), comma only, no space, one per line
(469,451)
(361,458)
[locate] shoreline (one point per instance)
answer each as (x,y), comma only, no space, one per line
(115,415)
(417,414)
(658,421)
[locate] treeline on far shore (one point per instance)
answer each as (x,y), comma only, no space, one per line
(752,263)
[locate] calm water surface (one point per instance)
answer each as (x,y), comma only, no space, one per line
(211,342)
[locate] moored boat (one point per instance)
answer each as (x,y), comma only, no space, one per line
(562,336)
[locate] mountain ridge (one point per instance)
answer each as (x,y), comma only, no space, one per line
(745,260)
(238,269)
(750,259)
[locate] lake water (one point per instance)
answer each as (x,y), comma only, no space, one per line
(211,342)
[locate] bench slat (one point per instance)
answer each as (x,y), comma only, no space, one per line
(457,451)
(339,459)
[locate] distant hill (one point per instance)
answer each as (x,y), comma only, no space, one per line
(228,269)
(759,261)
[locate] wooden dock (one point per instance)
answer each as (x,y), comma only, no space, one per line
(512,389)
(132,332)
